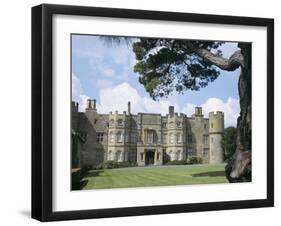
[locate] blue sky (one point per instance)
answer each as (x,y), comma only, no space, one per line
(104,72)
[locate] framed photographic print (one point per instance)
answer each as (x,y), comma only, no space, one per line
(145,112)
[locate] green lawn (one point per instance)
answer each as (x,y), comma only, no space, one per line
(154,176)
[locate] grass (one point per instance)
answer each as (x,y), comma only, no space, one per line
(154,176)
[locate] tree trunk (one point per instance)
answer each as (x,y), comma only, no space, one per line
(238,169)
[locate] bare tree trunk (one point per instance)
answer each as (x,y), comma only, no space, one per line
(238,169)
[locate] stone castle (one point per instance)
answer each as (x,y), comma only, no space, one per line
(144,138)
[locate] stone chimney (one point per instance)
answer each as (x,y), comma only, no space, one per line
(129,107)
(171,110)
(89,104)
(94,104)
(198,111)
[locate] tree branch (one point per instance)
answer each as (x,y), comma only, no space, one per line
(230,64)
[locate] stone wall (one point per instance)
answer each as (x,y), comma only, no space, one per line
(147,138)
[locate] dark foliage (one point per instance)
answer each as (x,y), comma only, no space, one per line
(194,160)
(167,65)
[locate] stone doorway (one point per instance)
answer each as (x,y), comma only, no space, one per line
(149,157)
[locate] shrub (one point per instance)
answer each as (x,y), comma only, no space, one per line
(194,160)
(110,164)
(126,164)
(176,162)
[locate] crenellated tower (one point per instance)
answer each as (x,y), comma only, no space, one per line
(176,135)
(216,129)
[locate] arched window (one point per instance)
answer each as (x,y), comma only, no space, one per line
(110,155)
(172,155)
(142,156)
(179,138)
(119,136)
(120,122)
(178,155)
(171,138)
(118,156)
(158,156)
(111,135)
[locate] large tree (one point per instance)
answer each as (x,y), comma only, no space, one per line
(168,65)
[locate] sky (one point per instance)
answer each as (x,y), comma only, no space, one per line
(104,72)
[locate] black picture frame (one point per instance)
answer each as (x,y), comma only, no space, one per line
(42,106)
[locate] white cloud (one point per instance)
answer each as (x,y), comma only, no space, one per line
(116,98)
(76,87)
(102,83)
(231,109)
(77,93)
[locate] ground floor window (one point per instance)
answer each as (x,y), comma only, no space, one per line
(110,155)
(118,156)
(206,152)
(158,156)
(179,155)
(142,156)
(189,152)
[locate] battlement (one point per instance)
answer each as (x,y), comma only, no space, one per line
(216,114)
(74,106)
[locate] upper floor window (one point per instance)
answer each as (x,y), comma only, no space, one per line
(189,138)
(164,138)
(179,124)
(111,137)
(179,138)
(119,136)
(164,125)
(120,122)
(112,121)
(206,139)
(100,137)
(150,136)
(171,138)
(171,124)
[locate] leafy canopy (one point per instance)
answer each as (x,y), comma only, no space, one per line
(168,65)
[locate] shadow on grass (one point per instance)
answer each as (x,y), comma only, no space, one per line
(84,181)
(93,173)
(79,180)
(209,174)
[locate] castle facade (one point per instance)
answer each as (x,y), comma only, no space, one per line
(144,138)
